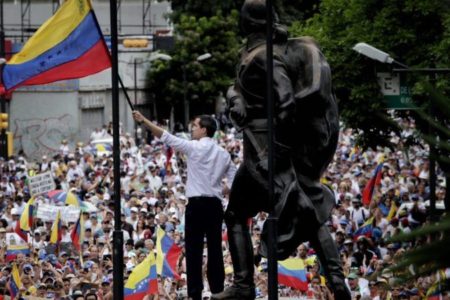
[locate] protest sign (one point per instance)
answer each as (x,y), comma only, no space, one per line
(41,183)
(48,212)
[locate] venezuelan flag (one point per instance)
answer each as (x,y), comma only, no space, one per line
(77,234)
(291,272)
(434,292)
(370,186)
(143,280)
(68,45)
(60,196)
(55,236)
(26,219)
(23,234)
(15,284)
(13,250)
(365,230)
(392,211)
(167,255)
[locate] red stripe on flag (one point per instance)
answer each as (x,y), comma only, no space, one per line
(292,282)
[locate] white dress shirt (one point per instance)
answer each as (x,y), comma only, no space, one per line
(207,165)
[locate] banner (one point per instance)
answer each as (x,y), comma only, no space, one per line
(41,183)
(13,239)
(47,212)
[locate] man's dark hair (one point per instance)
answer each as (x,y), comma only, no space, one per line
(209,123)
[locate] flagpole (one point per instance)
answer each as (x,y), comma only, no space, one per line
(118,234)
(125,92)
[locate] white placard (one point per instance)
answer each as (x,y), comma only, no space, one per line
(41,183)
(47,212)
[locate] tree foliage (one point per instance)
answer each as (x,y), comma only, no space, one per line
(204,80)
(415,32)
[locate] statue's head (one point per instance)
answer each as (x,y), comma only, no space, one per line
(253,16)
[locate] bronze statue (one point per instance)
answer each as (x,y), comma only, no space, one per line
(306,133)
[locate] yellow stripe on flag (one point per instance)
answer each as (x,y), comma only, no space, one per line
(54,30)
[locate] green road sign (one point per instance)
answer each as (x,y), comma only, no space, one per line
(395,91)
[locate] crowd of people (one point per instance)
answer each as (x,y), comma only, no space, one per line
(153,179)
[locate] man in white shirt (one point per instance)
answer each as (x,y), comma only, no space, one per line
(207,165)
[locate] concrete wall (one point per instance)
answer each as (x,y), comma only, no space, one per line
(41,120)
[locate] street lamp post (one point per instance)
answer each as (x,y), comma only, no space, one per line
(381,56)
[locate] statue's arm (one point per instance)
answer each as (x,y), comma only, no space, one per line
(238,112)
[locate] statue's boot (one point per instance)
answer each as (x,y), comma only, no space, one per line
(328,255)
(241,251)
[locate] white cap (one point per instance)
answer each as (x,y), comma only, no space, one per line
(14,211)
(134,209)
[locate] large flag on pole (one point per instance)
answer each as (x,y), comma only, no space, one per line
(68,45)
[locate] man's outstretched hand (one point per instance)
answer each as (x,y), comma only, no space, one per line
(138,116)
(156,130)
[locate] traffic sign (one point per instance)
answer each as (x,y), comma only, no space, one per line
(396,93)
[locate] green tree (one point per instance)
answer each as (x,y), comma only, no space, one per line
(415,32)
(203,81)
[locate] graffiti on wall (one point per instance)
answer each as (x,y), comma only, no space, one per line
(38,137)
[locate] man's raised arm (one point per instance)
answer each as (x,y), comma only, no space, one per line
(156,130)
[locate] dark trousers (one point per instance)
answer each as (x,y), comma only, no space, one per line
(204,216)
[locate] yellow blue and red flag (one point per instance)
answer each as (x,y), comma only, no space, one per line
(13,250)
(68,45)
(23,226)
(26,218)
(167,255)
(56,236)
(292,273)
(366,229)
(371,184)
(23,234)
(15,284)
(143,280)
(60,196)
(77,234)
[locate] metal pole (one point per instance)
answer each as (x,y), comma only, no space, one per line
(3,139)
(135,96)
(272,265)
(423,70)
(118,234)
